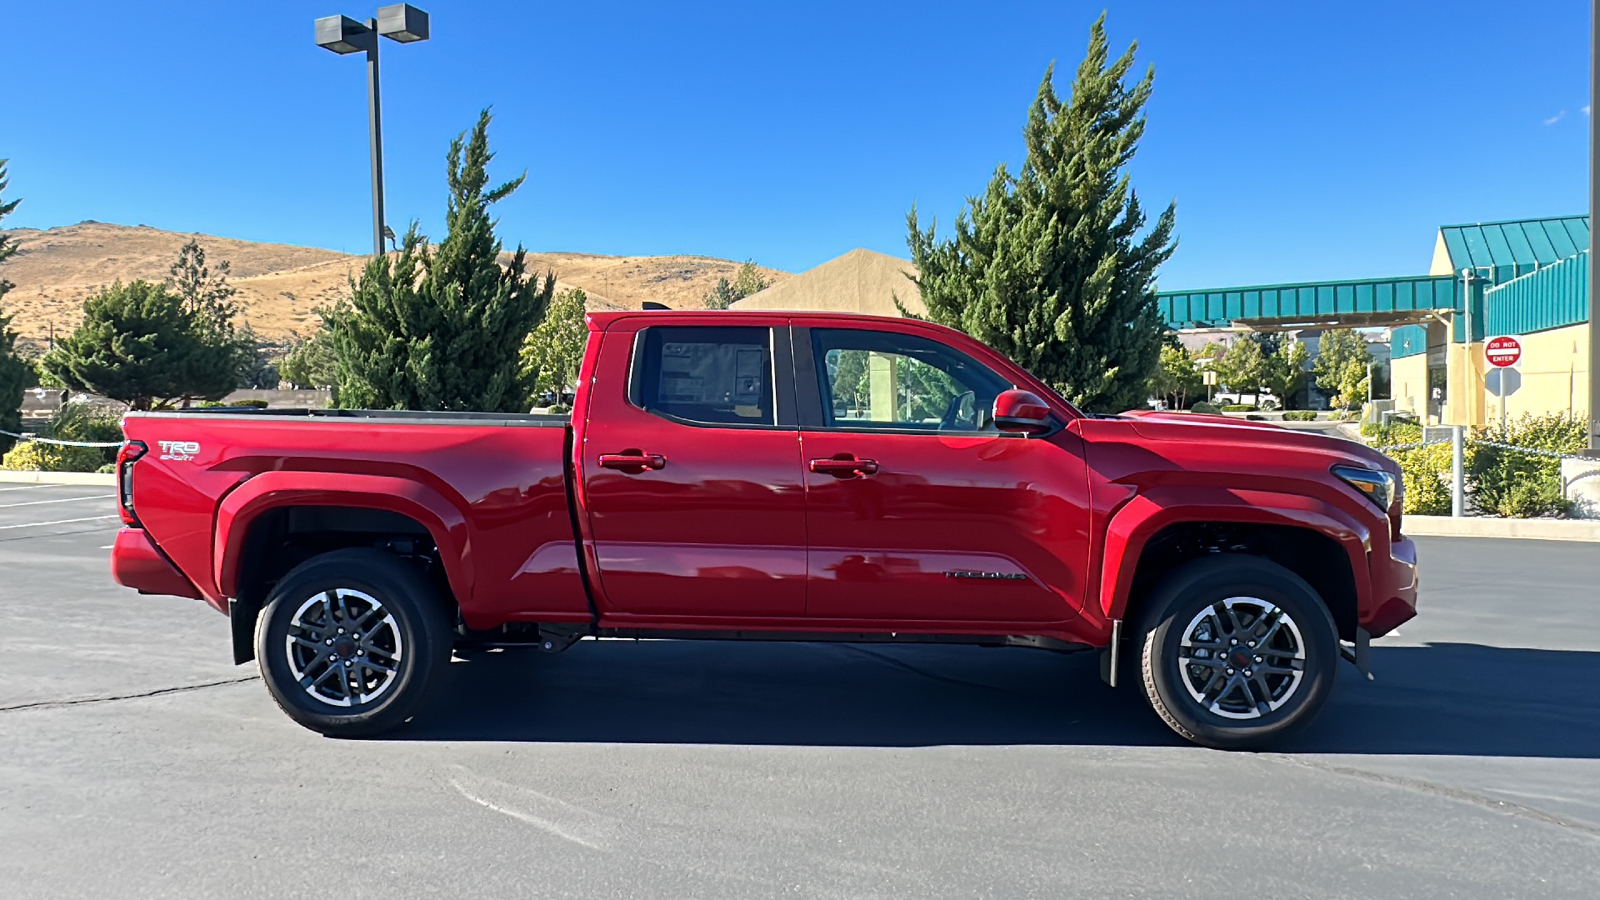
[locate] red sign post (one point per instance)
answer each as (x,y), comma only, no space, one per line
(1503,351)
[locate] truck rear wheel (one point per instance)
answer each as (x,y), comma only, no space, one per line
(349,642)
(1239,652)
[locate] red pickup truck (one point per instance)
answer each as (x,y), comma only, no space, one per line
(773,476)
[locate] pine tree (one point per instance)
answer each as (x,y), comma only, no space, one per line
(1048,266)
(442,329)
(747,281)
(221,353)
(14,373)
(133,346)
(309,362)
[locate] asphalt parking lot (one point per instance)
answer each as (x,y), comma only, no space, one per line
(135,761)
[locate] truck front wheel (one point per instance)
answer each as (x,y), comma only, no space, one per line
(1239,652)
(349,642)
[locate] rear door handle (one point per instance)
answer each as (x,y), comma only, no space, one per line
(844,466)
(632,460)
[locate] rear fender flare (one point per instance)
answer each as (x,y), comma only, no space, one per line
(444,520)
(1141,518)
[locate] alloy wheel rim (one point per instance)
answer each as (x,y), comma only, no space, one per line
(343,647)
(1242,658)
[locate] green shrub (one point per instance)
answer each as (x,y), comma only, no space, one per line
(1425,472)
(1521,485)
(82,423)
(32,456)
(1204,408)
(1393,433)
(237,404)
(109,468)
(1239,407)
(1300,415)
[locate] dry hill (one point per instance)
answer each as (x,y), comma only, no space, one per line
(280,284)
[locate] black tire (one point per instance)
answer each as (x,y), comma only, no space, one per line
(1244,713)
(411,623)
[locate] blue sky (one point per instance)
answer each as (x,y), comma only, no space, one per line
(1300,140)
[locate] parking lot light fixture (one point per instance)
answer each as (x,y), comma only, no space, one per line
(402,23)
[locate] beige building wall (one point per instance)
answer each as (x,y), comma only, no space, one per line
(1466,394)
(1441,258)
(1408,384)
(1555,374)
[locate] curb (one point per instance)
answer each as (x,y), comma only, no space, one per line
(98,478)
(1483,527)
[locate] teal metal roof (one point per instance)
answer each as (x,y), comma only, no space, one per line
(1516,247)
(1408,340)
(1380,301)
(1555,296)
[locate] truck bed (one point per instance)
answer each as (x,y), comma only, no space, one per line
(486,494)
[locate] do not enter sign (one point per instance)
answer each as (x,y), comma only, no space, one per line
(1503,351)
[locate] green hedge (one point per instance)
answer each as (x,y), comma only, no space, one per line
(1239,407)
(237,404)
(1500,482)
(1205,408)
(32,456)
(1425,472)
(1513,484)
(82,423)
(1300,415)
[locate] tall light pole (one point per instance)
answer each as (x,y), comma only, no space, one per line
(402,23)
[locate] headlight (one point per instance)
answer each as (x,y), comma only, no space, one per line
(1377,486)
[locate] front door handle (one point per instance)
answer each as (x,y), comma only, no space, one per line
(844,466)
(632,461)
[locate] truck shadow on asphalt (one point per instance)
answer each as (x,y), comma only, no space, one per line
(1440,699)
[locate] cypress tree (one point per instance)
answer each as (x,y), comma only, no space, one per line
(134,345)
(442,329)
(13,371)
(1049,265)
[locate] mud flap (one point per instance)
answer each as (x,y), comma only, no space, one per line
(1111,655)
(1359,652)
(242,623)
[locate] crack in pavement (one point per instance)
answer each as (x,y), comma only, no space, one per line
(1482,801)
(111,698)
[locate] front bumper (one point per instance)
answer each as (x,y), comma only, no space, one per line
(1395,582)
(136,563)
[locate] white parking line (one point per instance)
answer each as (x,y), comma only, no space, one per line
(29,487)
(62,500)
(56,522)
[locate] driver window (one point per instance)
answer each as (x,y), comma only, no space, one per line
(874,379)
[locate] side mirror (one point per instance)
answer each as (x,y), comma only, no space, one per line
(1021,412)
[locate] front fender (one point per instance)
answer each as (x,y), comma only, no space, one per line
(1138,520)
(445,521)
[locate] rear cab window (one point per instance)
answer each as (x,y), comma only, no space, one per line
(706,375)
